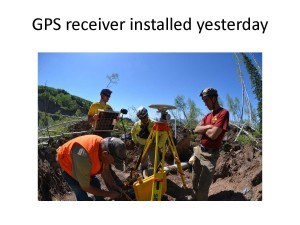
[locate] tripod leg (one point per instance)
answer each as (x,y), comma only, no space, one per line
(156,151)
(162,162)
(143,153)
(157,175)
(176,158)
(148,143)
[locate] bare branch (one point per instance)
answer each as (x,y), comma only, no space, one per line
(113,79)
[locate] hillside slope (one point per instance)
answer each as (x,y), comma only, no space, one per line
(58,101)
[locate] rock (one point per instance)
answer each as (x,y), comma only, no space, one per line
(257,178)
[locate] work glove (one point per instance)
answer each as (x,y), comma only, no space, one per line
(192,160)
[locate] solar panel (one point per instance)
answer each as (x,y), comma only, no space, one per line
(107,120)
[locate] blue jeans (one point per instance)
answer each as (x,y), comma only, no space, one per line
(81,195)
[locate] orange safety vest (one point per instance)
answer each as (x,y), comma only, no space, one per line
(91,143)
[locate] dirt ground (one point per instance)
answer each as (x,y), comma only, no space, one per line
(238,175)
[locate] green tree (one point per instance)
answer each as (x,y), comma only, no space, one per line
(193,114)
(234,107)
(78,113)
(181,105)
(189,111)
(256,80)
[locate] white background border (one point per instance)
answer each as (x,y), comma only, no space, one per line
(20,44)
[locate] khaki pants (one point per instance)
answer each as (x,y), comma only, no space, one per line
(203,171)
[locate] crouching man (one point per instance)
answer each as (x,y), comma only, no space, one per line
(82,158)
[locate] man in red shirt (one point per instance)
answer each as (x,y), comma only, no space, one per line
(211,129)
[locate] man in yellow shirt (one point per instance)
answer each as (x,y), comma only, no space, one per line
(102,104)
(140,132)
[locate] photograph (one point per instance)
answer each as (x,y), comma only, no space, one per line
(150,126)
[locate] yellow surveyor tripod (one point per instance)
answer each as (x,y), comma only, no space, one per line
(161,135)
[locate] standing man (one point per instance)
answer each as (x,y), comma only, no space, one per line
(102,104)
(82,158)
(139,133)
(212,128)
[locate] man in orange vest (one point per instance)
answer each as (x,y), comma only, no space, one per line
(82,158)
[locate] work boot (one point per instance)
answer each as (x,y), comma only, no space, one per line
(201,196)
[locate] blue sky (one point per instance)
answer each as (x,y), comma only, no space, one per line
(144,78)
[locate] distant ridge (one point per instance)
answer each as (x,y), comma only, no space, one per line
(58,101)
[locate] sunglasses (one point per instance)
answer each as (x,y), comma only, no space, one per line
(107,95)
